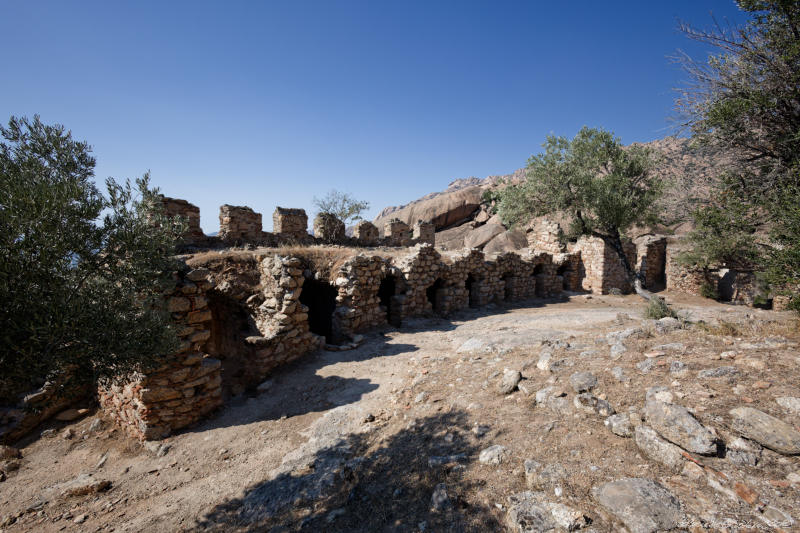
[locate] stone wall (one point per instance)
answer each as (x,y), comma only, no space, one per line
(546,236)
(329,228)
(367,233)
(685,279)
(255,313)
(239,223)
(651,252)
(602,269)
(397,233)
(424,232)
(187,386)
(177,207)
(290,223)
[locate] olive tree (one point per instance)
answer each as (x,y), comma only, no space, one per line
(603,187)
(82,274)
(744,101)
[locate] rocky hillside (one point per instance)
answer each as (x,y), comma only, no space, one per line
(461,221)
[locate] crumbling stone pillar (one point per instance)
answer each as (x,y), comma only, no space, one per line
(397,232)
(239,223)
(329,228)
(290,223)
(546,236)
(424,232)
(177,207)
(366,232)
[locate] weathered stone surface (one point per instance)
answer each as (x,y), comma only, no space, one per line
(82,485)
(790,403)
(743,452)
(676,424)
(493,455)
(439,499)
(539,476)
(532,512)
(482,235)
(443,210)
(509,382)
(719,372)
(766,430)
(657,449)
(508,241)
(619,425)
(643,505)
(583,381)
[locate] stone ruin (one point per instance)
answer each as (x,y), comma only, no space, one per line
(177,207)
(290,223)
(238,223)
(397,233)
(329,228)
(240,317)
(424,232)
(366,232)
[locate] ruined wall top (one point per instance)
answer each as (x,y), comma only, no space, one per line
(239,222)
(290,222)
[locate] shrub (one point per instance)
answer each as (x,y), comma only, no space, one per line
(657,308)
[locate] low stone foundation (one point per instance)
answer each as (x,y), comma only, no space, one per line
(187,386)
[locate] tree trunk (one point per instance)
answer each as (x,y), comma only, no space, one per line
(634,277)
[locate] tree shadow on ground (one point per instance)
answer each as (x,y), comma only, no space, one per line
(366,484)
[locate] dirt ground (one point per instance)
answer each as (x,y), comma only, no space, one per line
(361,440)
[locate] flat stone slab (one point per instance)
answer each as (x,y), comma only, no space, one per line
(766,430)
(676,424)
(643,505)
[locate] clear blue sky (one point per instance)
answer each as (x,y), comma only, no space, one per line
(271,103)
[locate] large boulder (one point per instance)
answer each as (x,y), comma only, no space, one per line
(453,238)
(443,210)
(482,235)
(508,241)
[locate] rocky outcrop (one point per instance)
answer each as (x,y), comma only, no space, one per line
(444,210)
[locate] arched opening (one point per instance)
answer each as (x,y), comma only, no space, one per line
(320,298)
(508,286)
(387,292)
(434,294)
(473,286)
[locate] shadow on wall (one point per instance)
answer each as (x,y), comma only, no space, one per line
(360,485)
(434,295)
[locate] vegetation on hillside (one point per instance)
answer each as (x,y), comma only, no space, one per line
(81,273)
(603,187)
(745,103)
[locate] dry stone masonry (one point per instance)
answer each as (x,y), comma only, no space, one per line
(290,223)
(329,228)
(238,223)
(177,207)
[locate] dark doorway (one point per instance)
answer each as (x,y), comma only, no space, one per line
(508,285)
(231,324)
(473,287)
(563,272)
(539,288)
(320,298)
(432,293)
(387,292)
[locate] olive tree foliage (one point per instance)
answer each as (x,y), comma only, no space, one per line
(603,187)
(744,101)
(342,205)
(82,274)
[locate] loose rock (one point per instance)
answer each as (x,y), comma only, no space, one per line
(439,499)
(531,512)
(509,382)
(766,430)
(657,449)
(619,425)
(583,381)
(493,455)
(643,505)
(676,424)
